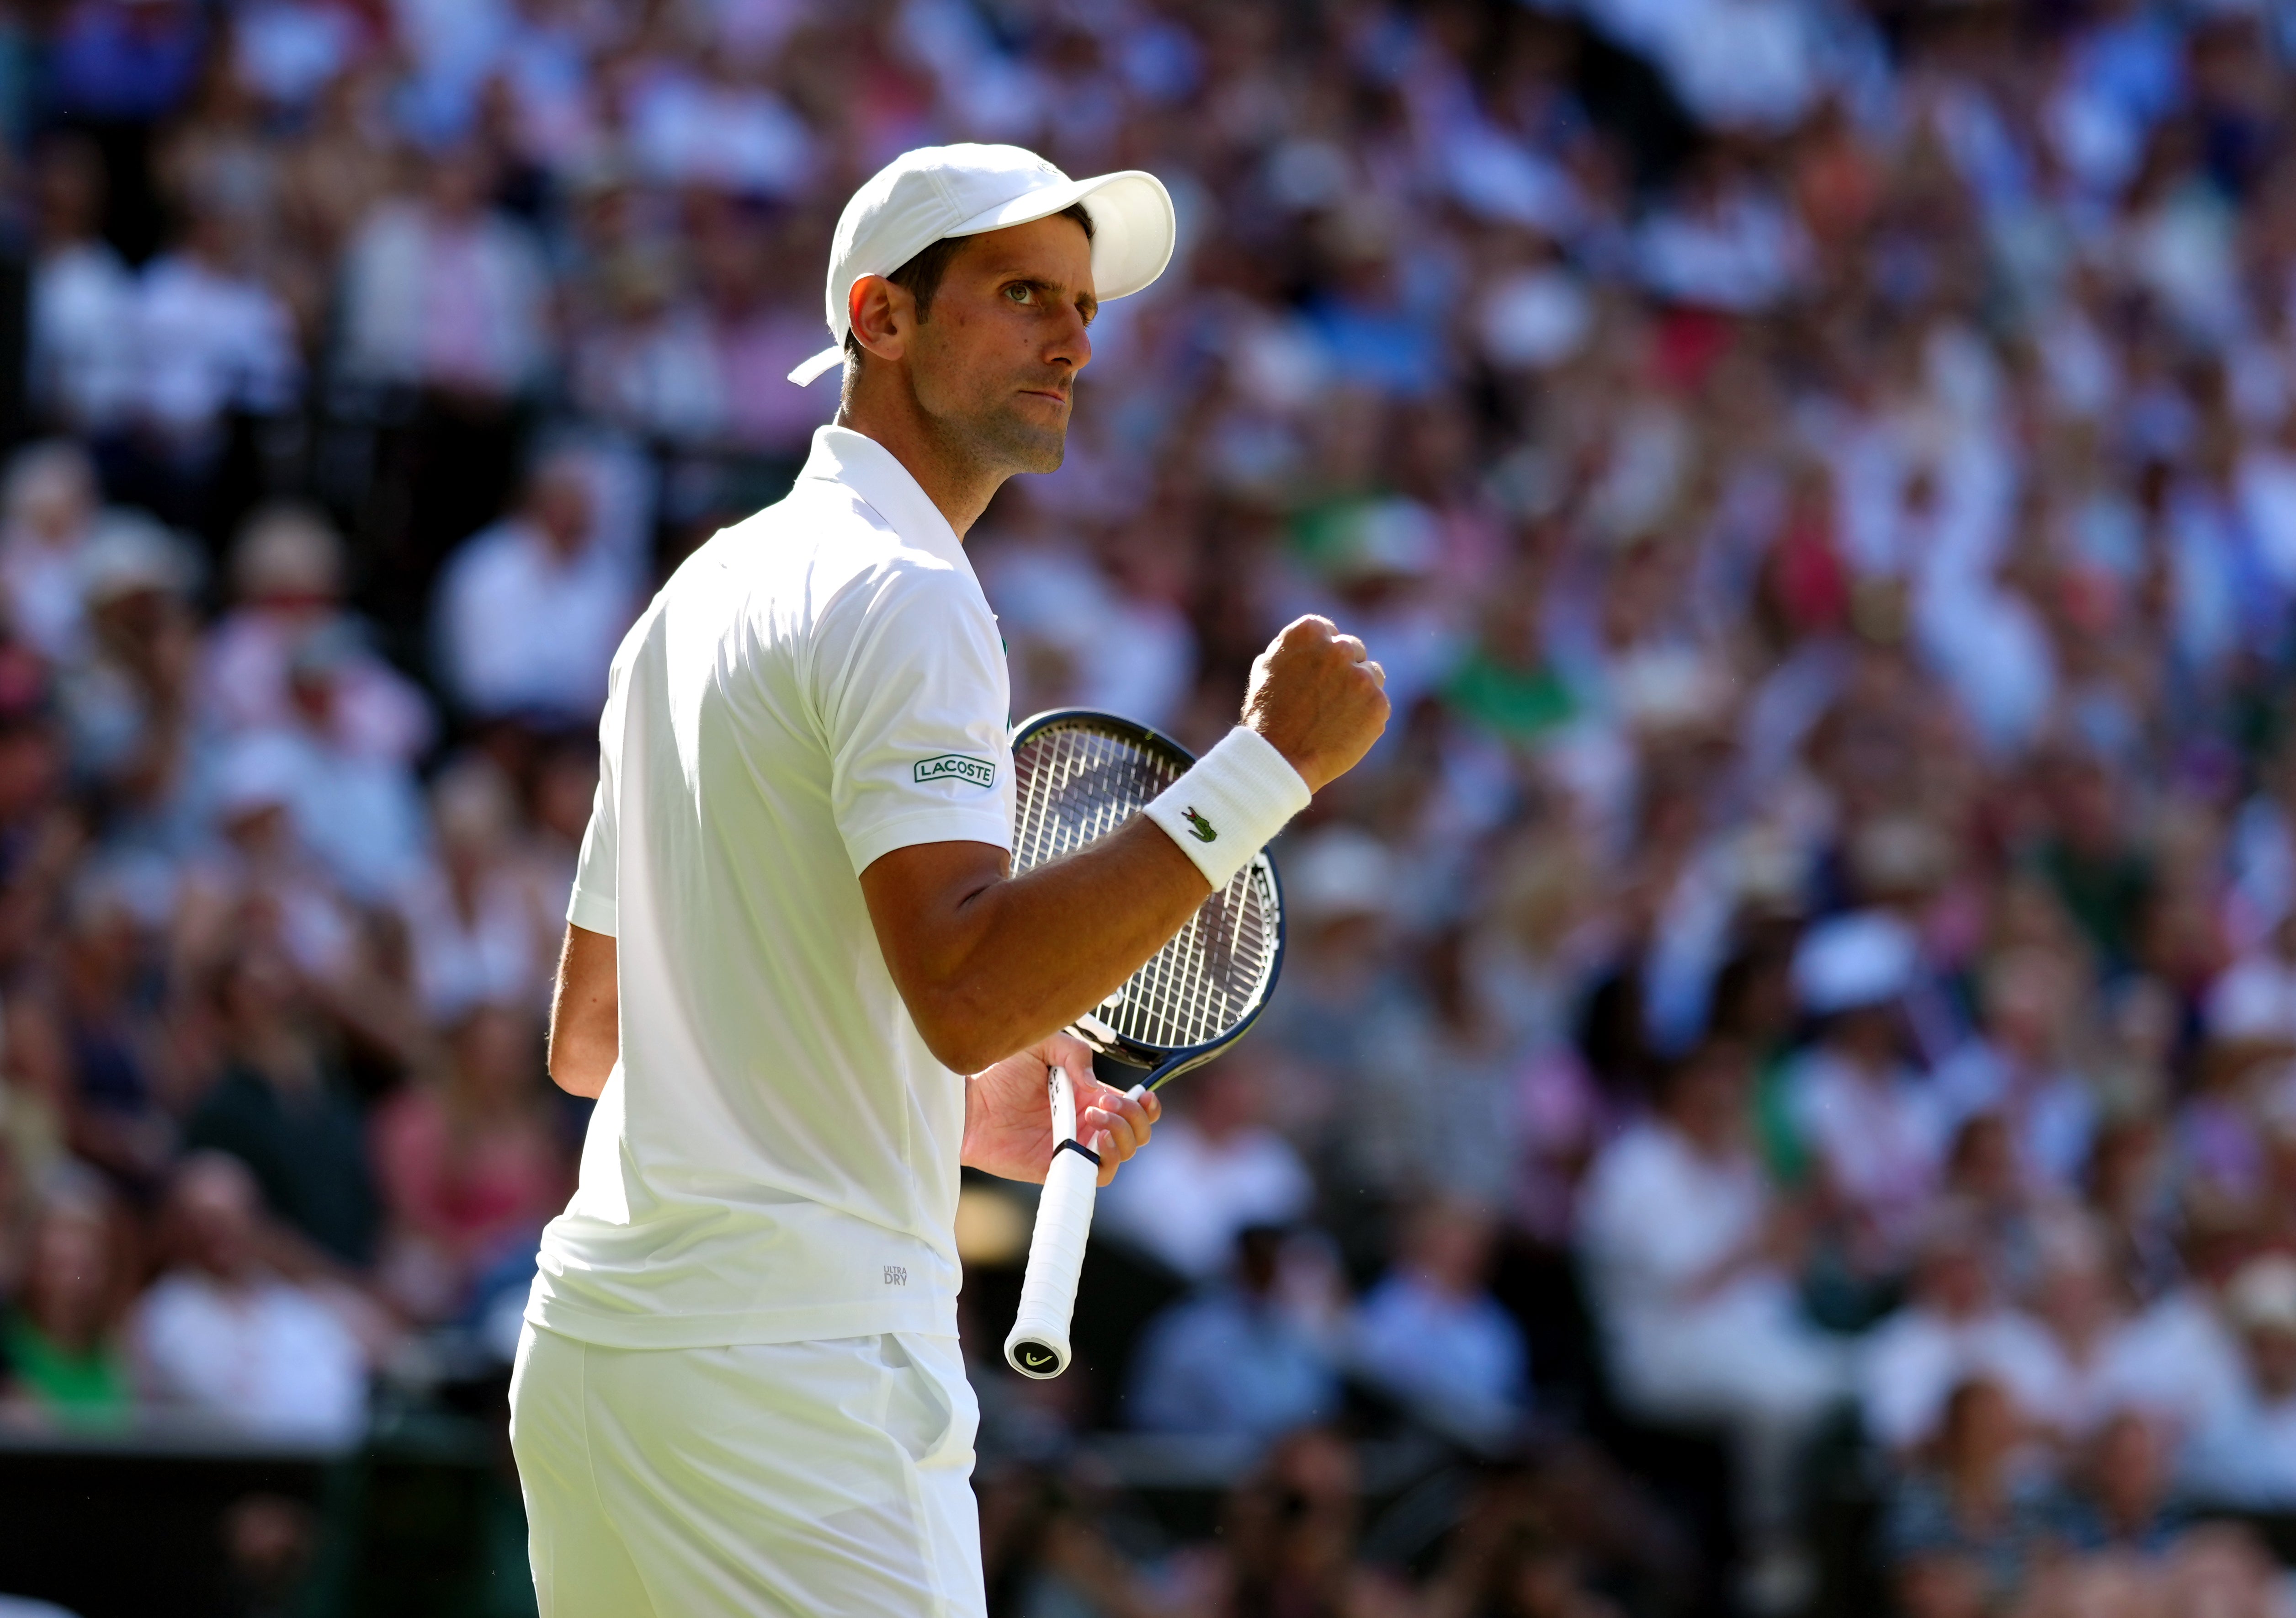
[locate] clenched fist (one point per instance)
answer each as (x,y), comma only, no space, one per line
(1319,699)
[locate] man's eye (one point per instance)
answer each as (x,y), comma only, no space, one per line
(1020,293)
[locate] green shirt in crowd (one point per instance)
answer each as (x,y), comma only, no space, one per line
(87,1389)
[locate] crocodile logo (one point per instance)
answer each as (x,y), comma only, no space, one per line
(1199,828)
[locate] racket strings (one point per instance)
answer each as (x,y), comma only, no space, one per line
(1076,784)
(1092,783)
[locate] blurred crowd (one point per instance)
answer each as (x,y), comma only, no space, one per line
(1807,983)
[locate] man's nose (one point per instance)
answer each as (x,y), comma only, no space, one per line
(1072,344)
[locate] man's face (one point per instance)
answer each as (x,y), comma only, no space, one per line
(560,505)
(994,361)
(218,1218)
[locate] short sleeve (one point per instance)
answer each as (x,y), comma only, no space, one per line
(591,905)
(916,717)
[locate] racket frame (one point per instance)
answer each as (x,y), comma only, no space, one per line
(1163,1063)
(1038,1346)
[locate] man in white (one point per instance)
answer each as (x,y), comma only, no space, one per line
(1954,1329)
(1692,1263)
(529,609)
(1221,1170)
(222,1335)
(2242,1452)
(797,975)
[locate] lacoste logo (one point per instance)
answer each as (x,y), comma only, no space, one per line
(1199,828)
(956,766)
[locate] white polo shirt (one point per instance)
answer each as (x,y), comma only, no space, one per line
(775,1157)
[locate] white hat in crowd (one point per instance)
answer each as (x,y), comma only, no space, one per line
(1338,874)
(2263,1297)
(966,190)
(256,773)
(2253,1004)
(287,549)
(1852,961)
(130,553)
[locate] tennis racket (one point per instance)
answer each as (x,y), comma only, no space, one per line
(1077,778)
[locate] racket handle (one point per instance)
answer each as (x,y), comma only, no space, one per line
(1038,1346)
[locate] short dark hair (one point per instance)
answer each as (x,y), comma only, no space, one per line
(921,276)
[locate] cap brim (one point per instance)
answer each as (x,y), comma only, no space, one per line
(827,359)
(1133,226)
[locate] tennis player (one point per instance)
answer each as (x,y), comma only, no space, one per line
(798,976)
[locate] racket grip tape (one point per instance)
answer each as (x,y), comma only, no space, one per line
(1038,1346)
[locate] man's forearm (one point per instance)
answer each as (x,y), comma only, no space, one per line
(1001,962)
(988,964)
(585,1014)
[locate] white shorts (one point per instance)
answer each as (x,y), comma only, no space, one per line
(796,1478)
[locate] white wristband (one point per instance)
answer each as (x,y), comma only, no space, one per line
(1230,805)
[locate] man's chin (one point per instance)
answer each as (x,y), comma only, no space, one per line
(1028,446)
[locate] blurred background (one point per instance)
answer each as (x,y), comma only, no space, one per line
(1783,1097)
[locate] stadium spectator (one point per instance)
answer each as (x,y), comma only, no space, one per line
(110,1046)
(1986,1180)
(1235,1362)
(1873,1122)
(213,342)
(482,931)
(2074,1298)
(2248,1039)
(2016,1067)
(1347,1013)
(1691,1260)
(257,877)
(1954,1329)
(442,291)
(530,609)
(1290,1534)
(126,701)
(80,369)
(61,1361)
(280,1109)
(1967,1529)
(2122,1496)
(1430,1333)
(469,1164)
(1225,1170)
(287,580)
(2243,1453)
(220,1334)
(47,510)
(358,810)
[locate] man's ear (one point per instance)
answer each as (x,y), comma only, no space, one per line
(882,316)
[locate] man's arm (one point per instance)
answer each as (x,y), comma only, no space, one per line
(586,1023)
(990,964)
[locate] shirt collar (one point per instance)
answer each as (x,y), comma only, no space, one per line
(870,470)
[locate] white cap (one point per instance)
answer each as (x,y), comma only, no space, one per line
(1863,959)
(2262,1296)
(2253,1003)
(262,770)
(1338,873)
(962,191)
(130,553)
